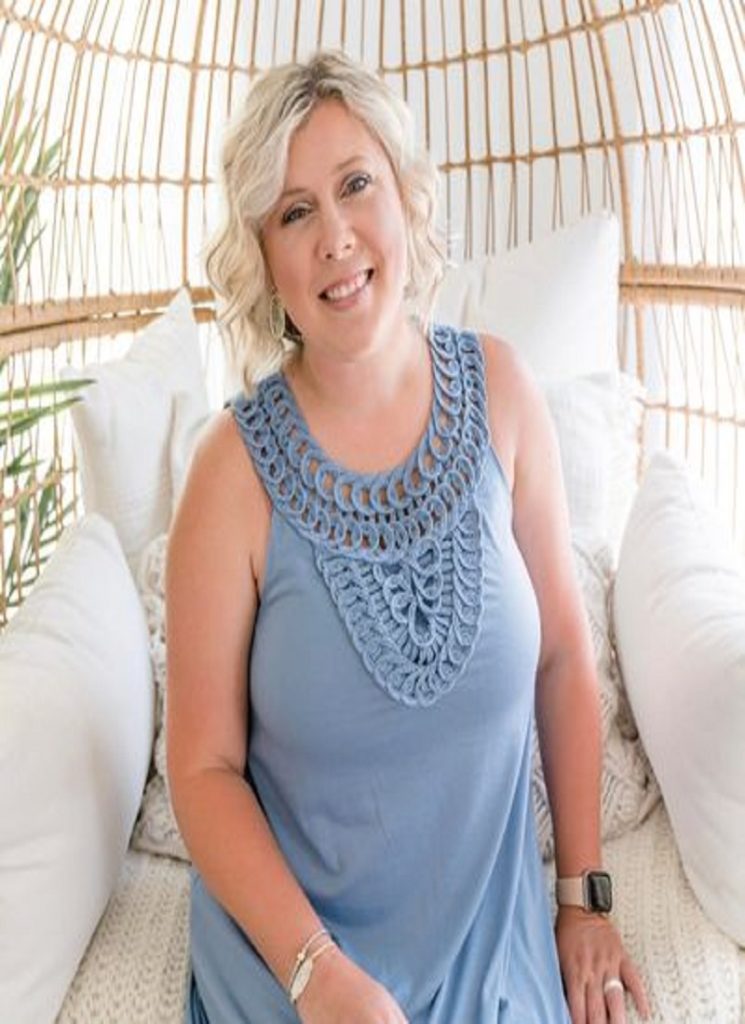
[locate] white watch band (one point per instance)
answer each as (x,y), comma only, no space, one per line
(570,892)
(592,891)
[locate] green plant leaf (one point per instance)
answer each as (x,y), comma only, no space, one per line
(34,517)
(53,388)
(16,466)
(47,528)
(12,102)
(15,422)
(20,204)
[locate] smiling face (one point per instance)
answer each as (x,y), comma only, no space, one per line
(335,242)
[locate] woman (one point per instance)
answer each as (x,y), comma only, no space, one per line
(369,573)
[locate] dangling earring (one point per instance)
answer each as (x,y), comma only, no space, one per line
(276,317)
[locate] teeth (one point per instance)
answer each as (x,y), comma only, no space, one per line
(341,291)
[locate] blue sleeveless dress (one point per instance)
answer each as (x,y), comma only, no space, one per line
(392,678)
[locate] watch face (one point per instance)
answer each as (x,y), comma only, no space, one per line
(598,891)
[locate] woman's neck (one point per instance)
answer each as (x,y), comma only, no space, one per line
(367,414)
(360,383)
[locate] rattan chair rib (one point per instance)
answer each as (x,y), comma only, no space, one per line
(536,111)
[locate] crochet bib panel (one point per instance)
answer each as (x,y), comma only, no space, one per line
(399,551)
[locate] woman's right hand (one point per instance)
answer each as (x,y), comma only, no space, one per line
(340,992)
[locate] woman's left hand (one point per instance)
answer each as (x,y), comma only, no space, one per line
(591,955)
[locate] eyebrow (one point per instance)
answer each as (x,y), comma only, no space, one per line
(339,167)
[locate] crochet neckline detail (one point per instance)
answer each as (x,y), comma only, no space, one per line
(377,516)
(400,552)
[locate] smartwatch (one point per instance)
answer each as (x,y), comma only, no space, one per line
(592,890)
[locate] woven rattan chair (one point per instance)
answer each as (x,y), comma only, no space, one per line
(536,111)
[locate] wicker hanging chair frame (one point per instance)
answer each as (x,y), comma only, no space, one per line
(536,112)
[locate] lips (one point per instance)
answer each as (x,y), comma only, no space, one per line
(348,286)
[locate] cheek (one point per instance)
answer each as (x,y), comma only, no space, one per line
(390,225)
(284,266)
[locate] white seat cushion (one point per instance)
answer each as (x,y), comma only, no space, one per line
(690,967)
(136,967)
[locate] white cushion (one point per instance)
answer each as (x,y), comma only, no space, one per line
(76,723)
(597,419)
(679,607)
(136,969)
(554,299)
(123,425)
(189,418)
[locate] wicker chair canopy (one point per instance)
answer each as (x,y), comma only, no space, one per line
(536,111)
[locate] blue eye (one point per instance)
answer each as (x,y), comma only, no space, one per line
(293,214)
(357,183)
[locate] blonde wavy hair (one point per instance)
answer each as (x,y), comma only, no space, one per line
(252,171)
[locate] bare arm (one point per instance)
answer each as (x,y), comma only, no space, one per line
(567,707)
(211,602)
(567,704)
(214,558)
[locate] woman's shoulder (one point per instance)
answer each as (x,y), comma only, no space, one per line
(223,496)
(503,363)
(221,453)
(510,391)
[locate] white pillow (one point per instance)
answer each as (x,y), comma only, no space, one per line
(189,418)
(554,299)
(76,729)
(123,425)
(597,420)
(679,607)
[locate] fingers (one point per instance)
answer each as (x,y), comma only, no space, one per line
(577,1006)
(591,1002)
(597,972)
(589,1005)
(596,1013)
(632,981)
(614,1000)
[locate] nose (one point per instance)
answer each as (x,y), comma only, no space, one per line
(337,238)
